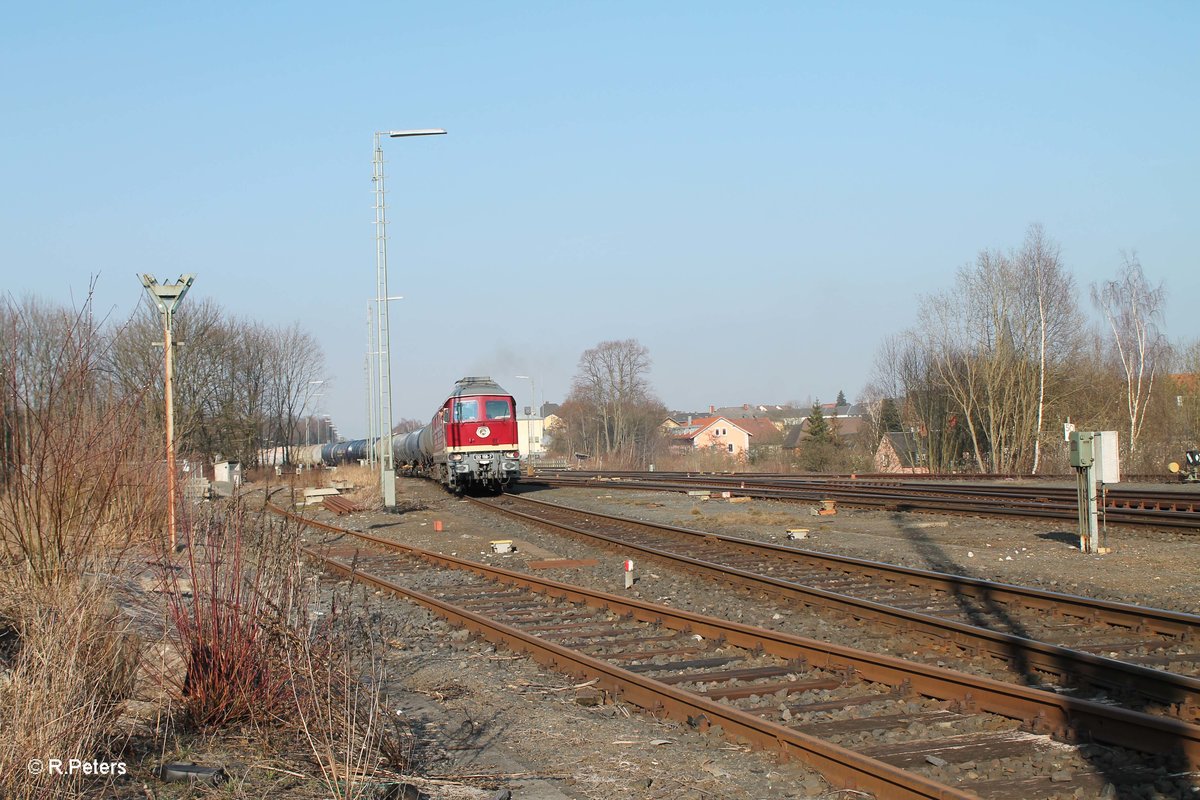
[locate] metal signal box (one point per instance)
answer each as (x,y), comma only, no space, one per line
(1082,452)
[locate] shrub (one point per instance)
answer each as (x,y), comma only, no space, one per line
(231,600)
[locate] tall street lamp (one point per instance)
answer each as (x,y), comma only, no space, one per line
(370,379)
(374,390)
(167,297)
(318,393)
(387,467)
(529,416)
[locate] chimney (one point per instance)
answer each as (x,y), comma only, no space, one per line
(712,409)
(689,420)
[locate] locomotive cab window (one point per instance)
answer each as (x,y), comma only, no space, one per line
(498,409)
(466,411)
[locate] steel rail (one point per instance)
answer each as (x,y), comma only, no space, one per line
(1124,615)
(1179,694)
(1117,496)
(1067,718)
(892,498)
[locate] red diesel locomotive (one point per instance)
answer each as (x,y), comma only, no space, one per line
(471,442)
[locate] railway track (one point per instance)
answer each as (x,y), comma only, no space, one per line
(873,723)
(1147,659)
(1175,509)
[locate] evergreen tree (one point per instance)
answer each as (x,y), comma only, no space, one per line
(841,398)
(818,427)
(889,416)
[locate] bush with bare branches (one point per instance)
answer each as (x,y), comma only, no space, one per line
(75,483)
(232,601)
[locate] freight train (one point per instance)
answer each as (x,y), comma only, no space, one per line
(470,444)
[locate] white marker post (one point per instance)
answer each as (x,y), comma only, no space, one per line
(628,573)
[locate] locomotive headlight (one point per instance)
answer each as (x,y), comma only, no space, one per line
(456,456)
(513,454)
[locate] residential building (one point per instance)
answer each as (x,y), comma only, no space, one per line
(717,433)
(901,452)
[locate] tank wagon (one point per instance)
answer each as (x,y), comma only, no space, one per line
(471,442)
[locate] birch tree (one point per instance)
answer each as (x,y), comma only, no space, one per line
(996,339)
(1133,310)
(1049,304)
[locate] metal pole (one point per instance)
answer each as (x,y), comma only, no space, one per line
(529,416)
(1089,533)
(1093,520)
(168,373)
(371,416)
(167,298)
(387,470)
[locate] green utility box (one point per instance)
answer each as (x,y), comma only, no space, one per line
(1082,451)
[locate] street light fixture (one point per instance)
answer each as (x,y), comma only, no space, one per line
(387,467)
(167,297)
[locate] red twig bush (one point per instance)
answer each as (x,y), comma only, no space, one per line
(232,603)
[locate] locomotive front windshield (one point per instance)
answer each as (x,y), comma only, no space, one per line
(468,410)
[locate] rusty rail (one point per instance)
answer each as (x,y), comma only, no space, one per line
(1178,694)
(1067,717)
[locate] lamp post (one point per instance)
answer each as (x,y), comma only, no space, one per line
(306,414)
(529,416)
(372,417)
(387,467)
(167,297)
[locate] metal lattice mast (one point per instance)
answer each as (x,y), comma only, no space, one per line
(387,469)
(372,417)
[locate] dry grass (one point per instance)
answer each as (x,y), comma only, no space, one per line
(343,717)
(74,666)
(74,494)
(367,492)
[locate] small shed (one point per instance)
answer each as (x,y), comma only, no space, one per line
(228,472)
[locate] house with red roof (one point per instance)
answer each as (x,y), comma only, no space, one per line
(704,433)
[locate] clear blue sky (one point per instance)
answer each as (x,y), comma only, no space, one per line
(756,192)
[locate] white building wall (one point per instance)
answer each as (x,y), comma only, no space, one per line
(531,436)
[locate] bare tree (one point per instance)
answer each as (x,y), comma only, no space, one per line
(1133,310)
(611,408)
(239,384)
(298,363)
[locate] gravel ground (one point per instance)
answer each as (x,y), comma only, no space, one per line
(480,711)
(515,718)
(1152,568)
